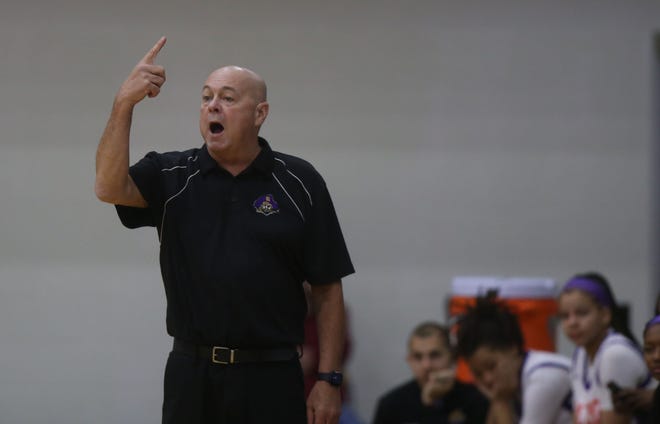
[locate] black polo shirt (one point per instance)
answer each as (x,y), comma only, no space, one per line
(234,251)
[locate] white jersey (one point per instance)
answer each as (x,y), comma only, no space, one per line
(618,360)
(546,389)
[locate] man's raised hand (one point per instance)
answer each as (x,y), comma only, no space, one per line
(145,79)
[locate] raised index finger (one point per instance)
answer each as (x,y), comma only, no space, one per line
(151,54)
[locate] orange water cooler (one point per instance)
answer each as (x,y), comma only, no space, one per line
(533,300)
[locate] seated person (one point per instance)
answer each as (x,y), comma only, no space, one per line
(433,395)
(611,384)
(529,387)
(652,358)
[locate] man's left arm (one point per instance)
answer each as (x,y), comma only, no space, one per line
(324,401)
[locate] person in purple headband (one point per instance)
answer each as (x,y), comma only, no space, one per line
(653,321)
(609,379)
(591,286)
(651,351)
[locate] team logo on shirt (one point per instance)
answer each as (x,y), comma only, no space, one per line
(266,205)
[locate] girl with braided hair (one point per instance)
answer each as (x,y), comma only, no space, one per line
(527,387)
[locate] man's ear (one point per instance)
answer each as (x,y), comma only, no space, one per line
(260,113)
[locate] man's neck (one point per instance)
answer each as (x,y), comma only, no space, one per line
(237,162)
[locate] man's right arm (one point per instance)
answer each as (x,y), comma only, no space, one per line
(113,183)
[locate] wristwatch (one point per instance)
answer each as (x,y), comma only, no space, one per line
(334,378)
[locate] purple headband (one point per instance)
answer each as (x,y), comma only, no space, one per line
(655,320)
(591,287)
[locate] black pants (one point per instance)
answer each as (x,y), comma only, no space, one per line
(200,392)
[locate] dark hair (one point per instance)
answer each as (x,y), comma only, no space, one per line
(619,319)
(430,328)
(653,321)
(491,324)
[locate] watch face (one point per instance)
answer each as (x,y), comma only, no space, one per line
(335,379)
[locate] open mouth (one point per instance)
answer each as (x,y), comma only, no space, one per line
(216,127)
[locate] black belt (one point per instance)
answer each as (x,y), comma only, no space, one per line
(226,356)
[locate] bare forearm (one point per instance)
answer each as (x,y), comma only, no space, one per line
(324,401)
(328,303)
(112,155)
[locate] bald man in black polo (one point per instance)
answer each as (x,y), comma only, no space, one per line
(240,228)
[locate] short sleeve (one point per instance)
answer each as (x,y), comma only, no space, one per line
(623,365)
(326,255)
(145,173)
(545,394)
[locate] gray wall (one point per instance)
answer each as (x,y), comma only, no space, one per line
(456,138)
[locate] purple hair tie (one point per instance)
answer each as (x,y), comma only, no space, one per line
(654,321)
(591,287)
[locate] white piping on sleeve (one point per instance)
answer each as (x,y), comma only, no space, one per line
(190,158)
(309,196)
(173,168)
(290,198)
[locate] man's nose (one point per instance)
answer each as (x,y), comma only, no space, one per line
(426,362)
(214,104)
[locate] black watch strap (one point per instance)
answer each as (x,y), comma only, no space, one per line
(335,378)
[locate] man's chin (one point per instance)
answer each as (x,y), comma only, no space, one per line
(215,144)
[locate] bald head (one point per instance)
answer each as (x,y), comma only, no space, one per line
(232,111)
(245,78)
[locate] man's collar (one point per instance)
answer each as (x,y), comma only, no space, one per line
(206,162)
(263,163)
(265,160)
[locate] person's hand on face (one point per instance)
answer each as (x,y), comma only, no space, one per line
(432,365)
(496,371)
(506,379)
(438,385)
(145,79)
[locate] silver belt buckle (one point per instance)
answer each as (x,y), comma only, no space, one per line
(214,354)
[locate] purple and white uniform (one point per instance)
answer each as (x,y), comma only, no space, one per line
(546,389)
(618,360)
